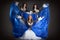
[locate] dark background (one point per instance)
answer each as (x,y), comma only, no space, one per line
(6,26)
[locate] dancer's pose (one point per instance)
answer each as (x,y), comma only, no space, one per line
(31,26)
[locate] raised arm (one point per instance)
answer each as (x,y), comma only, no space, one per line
(44,12)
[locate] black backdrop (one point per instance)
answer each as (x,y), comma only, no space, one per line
(6,26)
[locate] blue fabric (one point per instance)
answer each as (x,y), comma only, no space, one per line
(34,16)
(40,28)
(18,27)
(25,16)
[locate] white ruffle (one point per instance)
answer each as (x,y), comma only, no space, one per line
(45,5)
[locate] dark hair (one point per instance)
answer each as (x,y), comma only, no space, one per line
(28,19)
(34,5)
(23,5)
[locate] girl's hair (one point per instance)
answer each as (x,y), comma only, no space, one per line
(36,5)
(28,19)
(23,5)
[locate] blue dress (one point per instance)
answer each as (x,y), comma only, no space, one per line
(40,28)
